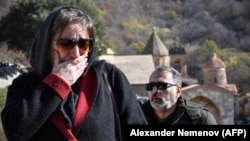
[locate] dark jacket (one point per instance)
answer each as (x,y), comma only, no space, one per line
(28,108)
(40,105)
(186,113)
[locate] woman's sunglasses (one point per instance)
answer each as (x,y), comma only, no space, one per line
(159,85)
(69,43)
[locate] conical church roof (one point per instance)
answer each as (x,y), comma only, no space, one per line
(214,63)
(155,46)
(177,48)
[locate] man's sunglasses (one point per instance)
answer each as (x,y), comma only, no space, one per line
(69,43)
(159,85)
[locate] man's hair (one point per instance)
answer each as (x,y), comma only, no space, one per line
(176,74)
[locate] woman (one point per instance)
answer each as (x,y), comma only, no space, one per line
(65,97)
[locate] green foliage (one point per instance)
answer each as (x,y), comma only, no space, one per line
(236,59)
(210,46)
(139,46)
(238,66)
(3,92)
(19,26)
(206,13)
(148,6)
(173,14)
(232,61)
(134,27)
(208,49)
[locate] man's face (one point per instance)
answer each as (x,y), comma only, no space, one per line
(163,96)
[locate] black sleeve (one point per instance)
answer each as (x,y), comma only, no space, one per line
(27,107)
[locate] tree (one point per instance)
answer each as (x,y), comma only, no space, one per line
(19,26)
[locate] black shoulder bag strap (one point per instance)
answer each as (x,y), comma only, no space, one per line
(116,114)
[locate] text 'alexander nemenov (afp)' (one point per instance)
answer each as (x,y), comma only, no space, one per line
(218,132)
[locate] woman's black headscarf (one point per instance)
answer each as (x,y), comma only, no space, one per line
(40,53)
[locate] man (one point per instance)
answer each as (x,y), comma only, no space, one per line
(167,106)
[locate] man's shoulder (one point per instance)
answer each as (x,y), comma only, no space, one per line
(146,106)
(195,111)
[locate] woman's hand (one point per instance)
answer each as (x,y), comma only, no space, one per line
(69,70)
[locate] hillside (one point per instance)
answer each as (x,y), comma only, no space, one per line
(130,22)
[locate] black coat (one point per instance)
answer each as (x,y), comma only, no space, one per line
(186,113)
(26,115)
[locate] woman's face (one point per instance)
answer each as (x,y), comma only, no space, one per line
(73,42)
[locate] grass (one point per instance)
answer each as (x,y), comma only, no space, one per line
(3,92)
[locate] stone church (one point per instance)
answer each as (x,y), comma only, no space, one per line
(215,93)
